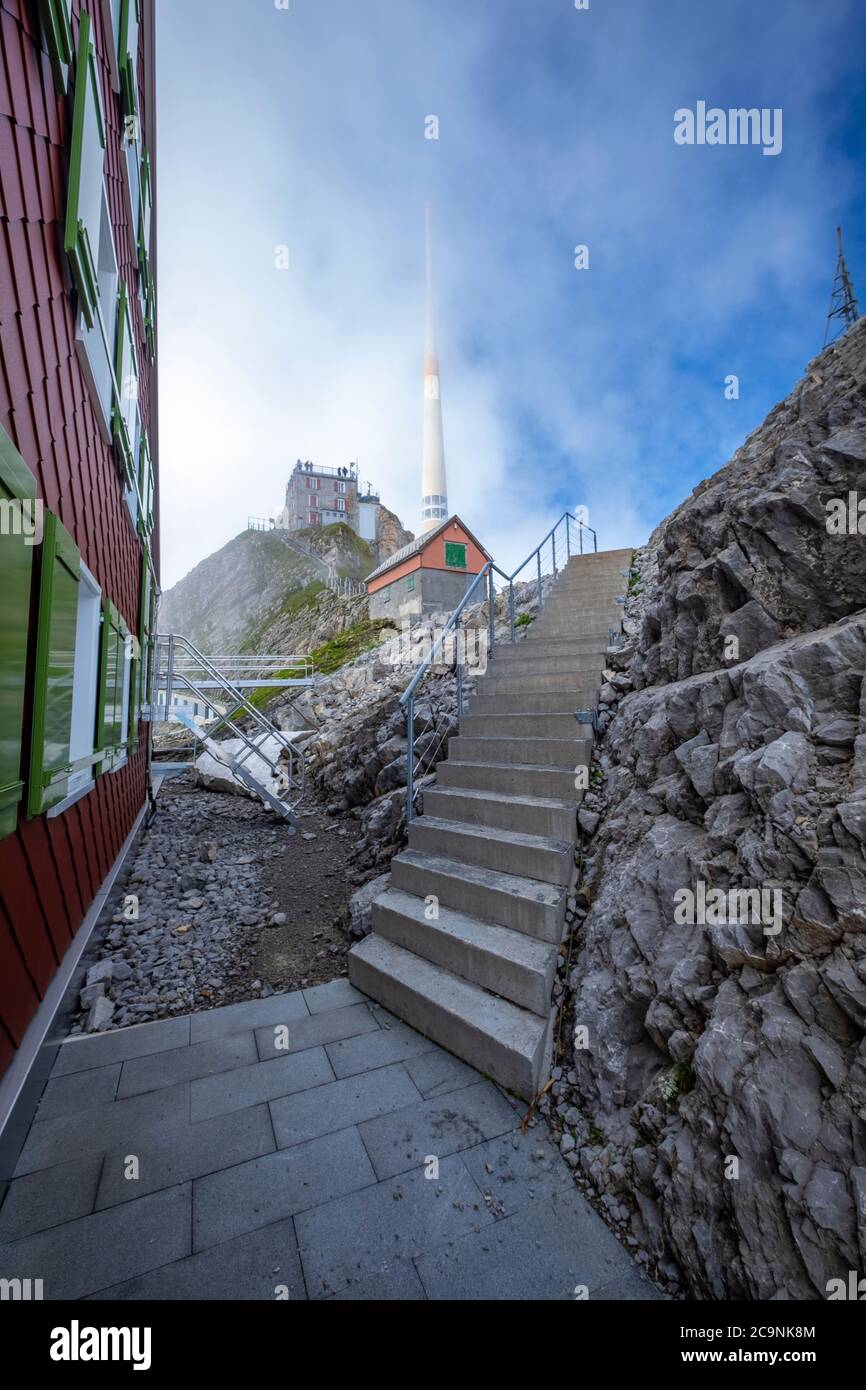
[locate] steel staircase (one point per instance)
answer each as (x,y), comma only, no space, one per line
(180,668)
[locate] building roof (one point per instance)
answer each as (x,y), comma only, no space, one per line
(420,543)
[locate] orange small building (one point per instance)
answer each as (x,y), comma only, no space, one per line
(430,575)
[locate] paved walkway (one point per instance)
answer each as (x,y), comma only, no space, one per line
(289,1148)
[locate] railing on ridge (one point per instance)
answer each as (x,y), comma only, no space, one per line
(552,554)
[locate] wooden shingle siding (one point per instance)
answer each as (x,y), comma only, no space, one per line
(51,869)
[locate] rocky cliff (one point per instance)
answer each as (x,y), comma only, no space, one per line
(715,1095)
(249,595)
(392,535)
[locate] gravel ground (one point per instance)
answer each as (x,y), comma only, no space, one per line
(223,903)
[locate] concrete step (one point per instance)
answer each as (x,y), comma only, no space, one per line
(534,815)
(510,779)
(505,851)
(523,904)
(565,605)
(573,625)
(498,681)
(541,648)
(505,962)
(524,662)
(539,752)
(557,724)
(506,1042)
(485,701)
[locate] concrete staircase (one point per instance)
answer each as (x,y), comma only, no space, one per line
(465,942)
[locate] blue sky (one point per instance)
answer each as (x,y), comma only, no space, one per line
(304,128)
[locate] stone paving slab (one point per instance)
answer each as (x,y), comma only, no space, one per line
(436,1073)
(337,994)
(361,1235)
(232,1090)
(182,1152)
(264,1173)
(261,1265)
(131,1122)
(50,1197)
(286,1182)
(142,1074)
(100,1049)
(434,1128)
(238,1018)
(547,1250)
(66,1095)
(514,1170)
(398,1283)
(328,1108)
(313,1031)
(393,1043)
(83,1256)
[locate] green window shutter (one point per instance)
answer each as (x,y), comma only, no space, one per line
(56,18)
(410,583)
(134,695)
(130,15)
(112,703)
(86,164)
(17,487)
(145,629)
(150,320)
(455,555)
(55,668)
(126,369)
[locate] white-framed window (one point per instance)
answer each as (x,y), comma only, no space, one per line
(85,681)
(341,487)
(96,363)
(341,504)
(127,417)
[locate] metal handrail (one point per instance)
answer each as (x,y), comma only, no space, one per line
(166,680)
(407,699)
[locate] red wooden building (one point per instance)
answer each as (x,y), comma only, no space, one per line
(78,447)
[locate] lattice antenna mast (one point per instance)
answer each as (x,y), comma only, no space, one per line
(843,300)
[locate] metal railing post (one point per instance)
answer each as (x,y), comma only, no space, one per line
(568,537)
(169,675)
(553,543)
(491,617)
(410,758)
(540,585)
(580,533)
(511,606)
(458,668)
